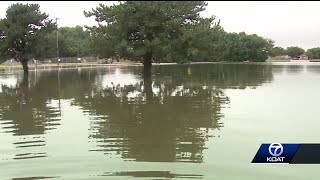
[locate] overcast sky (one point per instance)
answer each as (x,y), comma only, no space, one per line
(287,23)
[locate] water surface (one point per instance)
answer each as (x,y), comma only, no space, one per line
(187,121)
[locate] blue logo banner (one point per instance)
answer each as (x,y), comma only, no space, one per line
(275,153)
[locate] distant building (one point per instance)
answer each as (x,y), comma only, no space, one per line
(303,57)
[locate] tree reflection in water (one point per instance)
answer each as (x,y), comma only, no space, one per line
(168,117)
(27,114)
(27,109)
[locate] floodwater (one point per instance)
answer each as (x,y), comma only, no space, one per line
(187,121)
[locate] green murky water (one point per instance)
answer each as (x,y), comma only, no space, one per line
(198,121)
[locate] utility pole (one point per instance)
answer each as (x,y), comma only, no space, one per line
(57,41)
(58,65)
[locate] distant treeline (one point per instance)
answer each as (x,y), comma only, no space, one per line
(294,51)
(209,45)
(147,31)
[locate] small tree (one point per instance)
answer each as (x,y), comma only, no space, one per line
(21,31)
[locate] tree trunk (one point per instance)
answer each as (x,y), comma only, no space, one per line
(25,78)
(148,89)
(147,64)
(24,63)
(23,93)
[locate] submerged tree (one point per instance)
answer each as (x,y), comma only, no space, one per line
(147,30)
(23,28)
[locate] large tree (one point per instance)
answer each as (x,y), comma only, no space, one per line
(313,53)
(277,51)
(73,41)
(199,42)
(147,30)
(21,31)
(294,51)
(242,47)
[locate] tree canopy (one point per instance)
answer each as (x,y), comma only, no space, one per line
(73,41)
(242,47)
(149,32)
(23,28)
(294,51)
(313,53)
(173,32)
(277,51)
(21,32)
(152,30)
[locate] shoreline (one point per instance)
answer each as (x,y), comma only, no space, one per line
(76,65)
(63,65)
(79,65)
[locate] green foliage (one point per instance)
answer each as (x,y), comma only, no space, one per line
(277,51)
(100,45)
(46,48)
(294,51)
(73,41)
(310,54)
(173,32)
(161,31)
(201,42)
(242,47)
(159,28)
(313,53)
(23,29)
